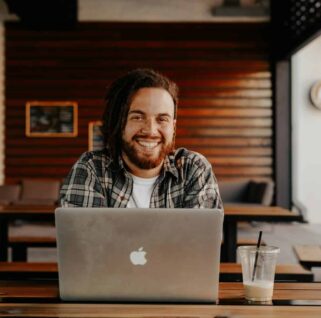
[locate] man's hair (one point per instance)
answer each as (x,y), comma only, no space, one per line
(118,100)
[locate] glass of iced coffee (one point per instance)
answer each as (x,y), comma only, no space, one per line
(258,270)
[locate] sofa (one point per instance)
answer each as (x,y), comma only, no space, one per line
(46,192)
(31,191)
(247,191)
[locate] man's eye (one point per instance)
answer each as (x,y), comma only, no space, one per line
(163,119)
(137,117)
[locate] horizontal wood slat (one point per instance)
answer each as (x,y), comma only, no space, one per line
(217,152)
(241,132)
(183,122)
(67,92)
(216,83)
(235,142)
(224,112)
(74,62)
(138,54)
(223,161)
(53,171)
(16,107)
(197,132)
(179,74)
(223,71)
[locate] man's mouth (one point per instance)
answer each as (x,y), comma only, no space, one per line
(147,144)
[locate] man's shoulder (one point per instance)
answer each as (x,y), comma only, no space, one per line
(184,157)
(94,155)
(95,159)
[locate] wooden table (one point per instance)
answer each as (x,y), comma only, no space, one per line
(155,311)
(229,292)
(238,213)
(233,214)
(40,299)
(309,255)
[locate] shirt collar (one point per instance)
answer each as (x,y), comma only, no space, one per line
(169,165)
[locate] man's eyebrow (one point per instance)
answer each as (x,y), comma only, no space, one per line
(164,114)
(136,112)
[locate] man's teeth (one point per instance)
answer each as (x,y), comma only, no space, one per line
(148,144)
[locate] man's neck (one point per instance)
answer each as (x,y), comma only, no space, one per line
(142,173)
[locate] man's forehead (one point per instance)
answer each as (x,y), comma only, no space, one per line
(156,100)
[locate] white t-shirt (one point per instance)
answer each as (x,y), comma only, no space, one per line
(142,192)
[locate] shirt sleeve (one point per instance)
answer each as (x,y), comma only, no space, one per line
(201,190)
(82,188)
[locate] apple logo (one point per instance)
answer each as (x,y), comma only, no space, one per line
(138,257)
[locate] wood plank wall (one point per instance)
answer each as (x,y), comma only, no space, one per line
(223,71)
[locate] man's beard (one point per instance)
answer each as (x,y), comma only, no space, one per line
(145,162)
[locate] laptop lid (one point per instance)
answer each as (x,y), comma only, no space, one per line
(144,255)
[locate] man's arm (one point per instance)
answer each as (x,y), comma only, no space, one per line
(201,190)
(82,188)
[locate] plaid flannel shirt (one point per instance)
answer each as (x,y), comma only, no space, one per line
(186,181)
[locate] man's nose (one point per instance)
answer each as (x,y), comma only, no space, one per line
(150,126)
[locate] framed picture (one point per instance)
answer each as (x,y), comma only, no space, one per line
(51,119)
(95,136)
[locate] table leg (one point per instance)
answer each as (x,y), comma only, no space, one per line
(4,224)
(230,241)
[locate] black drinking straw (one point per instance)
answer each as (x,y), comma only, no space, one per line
(256,254)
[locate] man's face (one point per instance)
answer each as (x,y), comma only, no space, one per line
(148,135)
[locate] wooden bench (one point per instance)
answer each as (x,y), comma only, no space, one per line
(20,244)
(24,270)
(228,271)
(308,255)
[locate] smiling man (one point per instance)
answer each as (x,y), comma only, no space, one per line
(139,166)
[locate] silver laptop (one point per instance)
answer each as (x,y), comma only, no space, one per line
(139,255)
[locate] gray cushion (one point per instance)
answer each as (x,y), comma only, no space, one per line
(247,191)
(5,202)
(9,193)
(36,202)
(233,191)
(260,192)
(40,189)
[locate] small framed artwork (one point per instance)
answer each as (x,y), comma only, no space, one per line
(95,136)
(51,119)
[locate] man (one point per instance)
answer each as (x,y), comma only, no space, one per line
(138,166)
